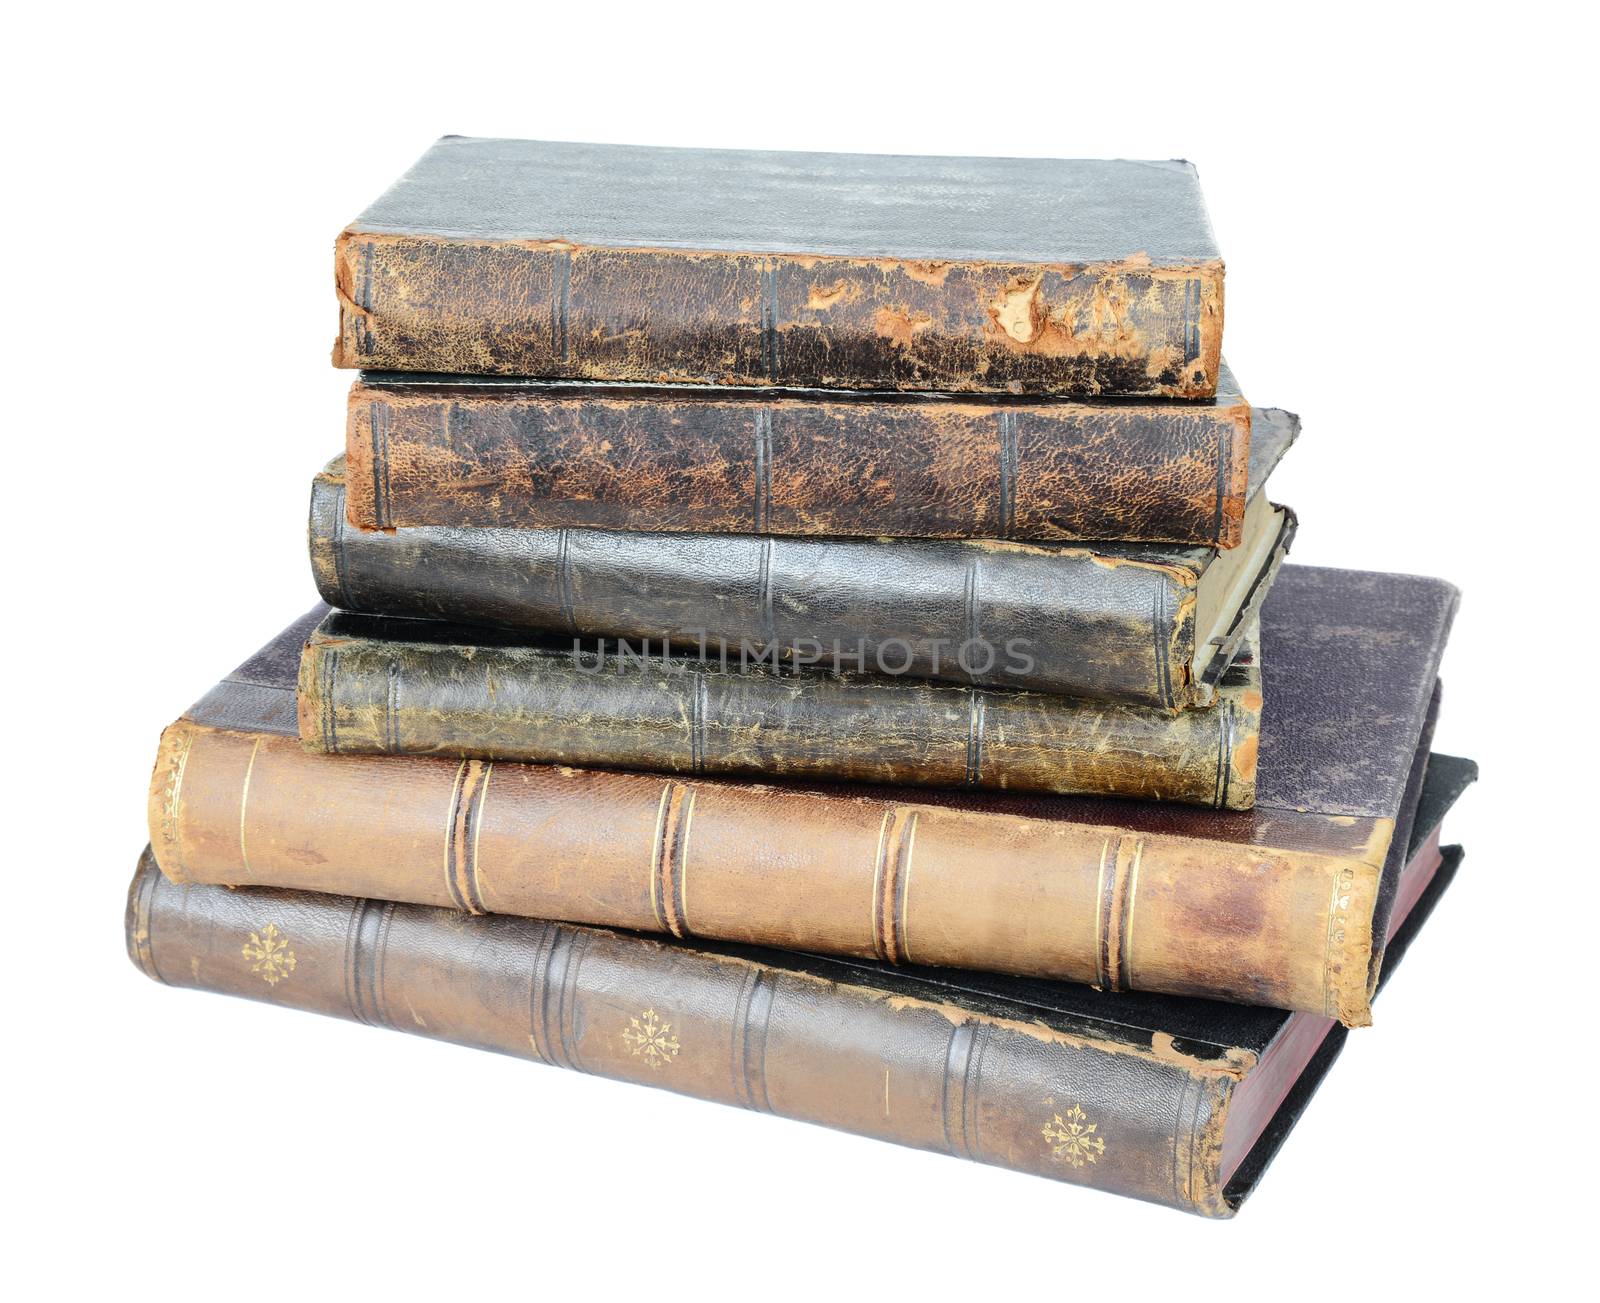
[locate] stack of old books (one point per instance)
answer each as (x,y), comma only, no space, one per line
(686,492)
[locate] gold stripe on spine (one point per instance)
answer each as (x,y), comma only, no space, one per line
(655,858)
(908,843)
(451,885)
(244,804)
(477,836)
(461,836)
(1100,920)
(875,912)
(666,857)
(895,838)
(680,867)
(1114,895)
(1125,969)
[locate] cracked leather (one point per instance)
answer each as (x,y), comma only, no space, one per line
(1108,621)
(838,465)
(1271,906)
(965,1064)
(373,686)
(650,266)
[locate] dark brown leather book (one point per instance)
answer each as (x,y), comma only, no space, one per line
(848,271)
(1150,625)
(1279,905)
(376,686)
(1183,1102)
(536,455)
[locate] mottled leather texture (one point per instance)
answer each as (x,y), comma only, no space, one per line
(647,266)
(839,465)
(1125,1094)
(1270,906)
(1109,621)
(374,686)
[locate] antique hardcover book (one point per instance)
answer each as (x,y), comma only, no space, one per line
(1279,905)
(849,271)
(1183,1102)
(1138,623)
(530,454)
(376,686)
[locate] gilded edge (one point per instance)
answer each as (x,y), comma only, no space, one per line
(166,798)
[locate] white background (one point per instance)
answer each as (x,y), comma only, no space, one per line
(1405,205)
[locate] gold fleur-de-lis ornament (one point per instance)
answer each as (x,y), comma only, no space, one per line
(267,952)
(651,1039)
(1072,1137)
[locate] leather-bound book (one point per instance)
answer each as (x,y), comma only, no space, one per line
(532,454)
(850,271)
(376,686)
(1183,1102)
(1279,905)
(1150,625)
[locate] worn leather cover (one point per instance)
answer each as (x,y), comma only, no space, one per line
(1110,621)
(1126,1094)
(375,686)
(531,455)
(1270,906)
(611,262)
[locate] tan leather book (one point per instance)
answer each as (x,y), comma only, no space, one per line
(1183,1102)
(1280,905)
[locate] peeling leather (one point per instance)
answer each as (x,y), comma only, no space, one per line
(903,466)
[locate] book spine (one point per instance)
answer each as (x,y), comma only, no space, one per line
(621,706)
(918,603)
(841,873)
(1125,1119)
(653,316)
(1162,473)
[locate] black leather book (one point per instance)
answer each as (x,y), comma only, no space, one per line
(1143,624)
